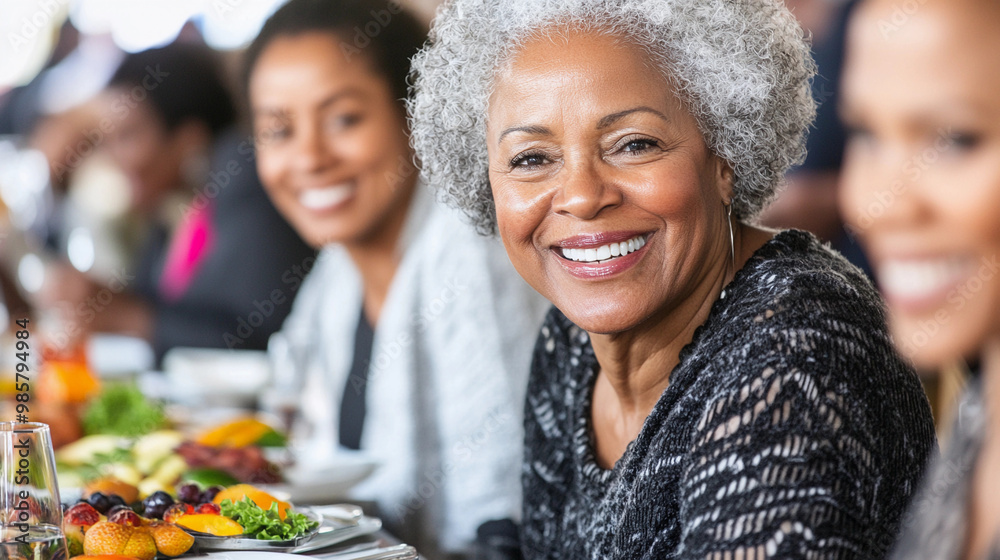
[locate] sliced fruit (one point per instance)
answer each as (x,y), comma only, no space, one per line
(217,525)
(125,473)
(176,511)
(211,509)
(76,521)
(85,449)
(81,514)
(106,538)
(109,485)
(236,433)
(170,539)
(151,449)
(126,517)
(150,486)
(140,545)
(259,497)
(170,469)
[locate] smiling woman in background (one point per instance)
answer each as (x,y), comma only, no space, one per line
(703,388)
(922,189)
(418,331)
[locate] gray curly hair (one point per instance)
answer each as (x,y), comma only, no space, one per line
(742,68)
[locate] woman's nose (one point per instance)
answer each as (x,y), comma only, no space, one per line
(585,191)
(312,151)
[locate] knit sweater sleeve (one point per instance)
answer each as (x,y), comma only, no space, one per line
(790,458)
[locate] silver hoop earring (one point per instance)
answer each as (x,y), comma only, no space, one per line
(732,243)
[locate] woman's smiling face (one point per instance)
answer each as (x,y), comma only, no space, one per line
(332,148)
(922,176)
(608,200)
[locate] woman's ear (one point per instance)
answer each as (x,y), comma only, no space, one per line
(724,179)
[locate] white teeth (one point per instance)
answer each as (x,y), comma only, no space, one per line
(605,252)
(326,197)
(913,279)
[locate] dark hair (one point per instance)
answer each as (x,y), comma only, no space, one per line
(381,30)
(182,81)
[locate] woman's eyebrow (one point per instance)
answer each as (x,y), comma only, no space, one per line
(323,103)
(611,119)
(530,129)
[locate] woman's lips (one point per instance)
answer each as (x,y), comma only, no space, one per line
(601,255)
(915,284)
(325,198)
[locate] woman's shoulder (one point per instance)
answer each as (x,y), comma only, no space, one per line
(794,279)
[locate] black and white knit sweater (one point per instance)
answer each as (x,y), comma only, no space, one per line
(790,429)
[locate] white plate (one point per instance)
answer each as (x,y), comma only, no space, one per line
(215,377)
(324,484)
(328,535)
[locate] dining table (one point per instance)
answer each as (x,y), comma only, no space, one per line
(373,542)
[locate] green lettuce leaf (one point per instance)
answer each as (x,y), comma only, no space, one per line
(266,524)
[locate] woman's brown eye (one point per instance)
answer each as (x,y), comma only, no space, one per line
(638,145)
(528,160)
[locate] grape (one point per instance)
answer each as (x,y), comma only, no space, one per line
(156,504)
(189,493)
(99,502)
(116,500)
(210,493)
(154,511)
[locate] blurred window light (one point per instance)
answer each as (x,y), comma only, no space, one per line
(24,184)
(31,273)
(28,31)
(137,25)
(80,249)
(232,24)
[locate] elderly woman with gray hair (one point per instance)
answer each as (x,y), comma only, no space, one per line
(703,388)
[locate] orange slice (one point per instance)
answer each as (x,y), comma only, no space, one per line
(259,497)
(212,524)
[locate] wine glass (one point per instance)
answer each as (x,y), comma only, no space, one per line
(30,510)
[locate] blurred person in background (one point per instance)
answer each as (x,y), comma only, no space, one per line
(212,264)
(808,199)
(922,190)
(418,332)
